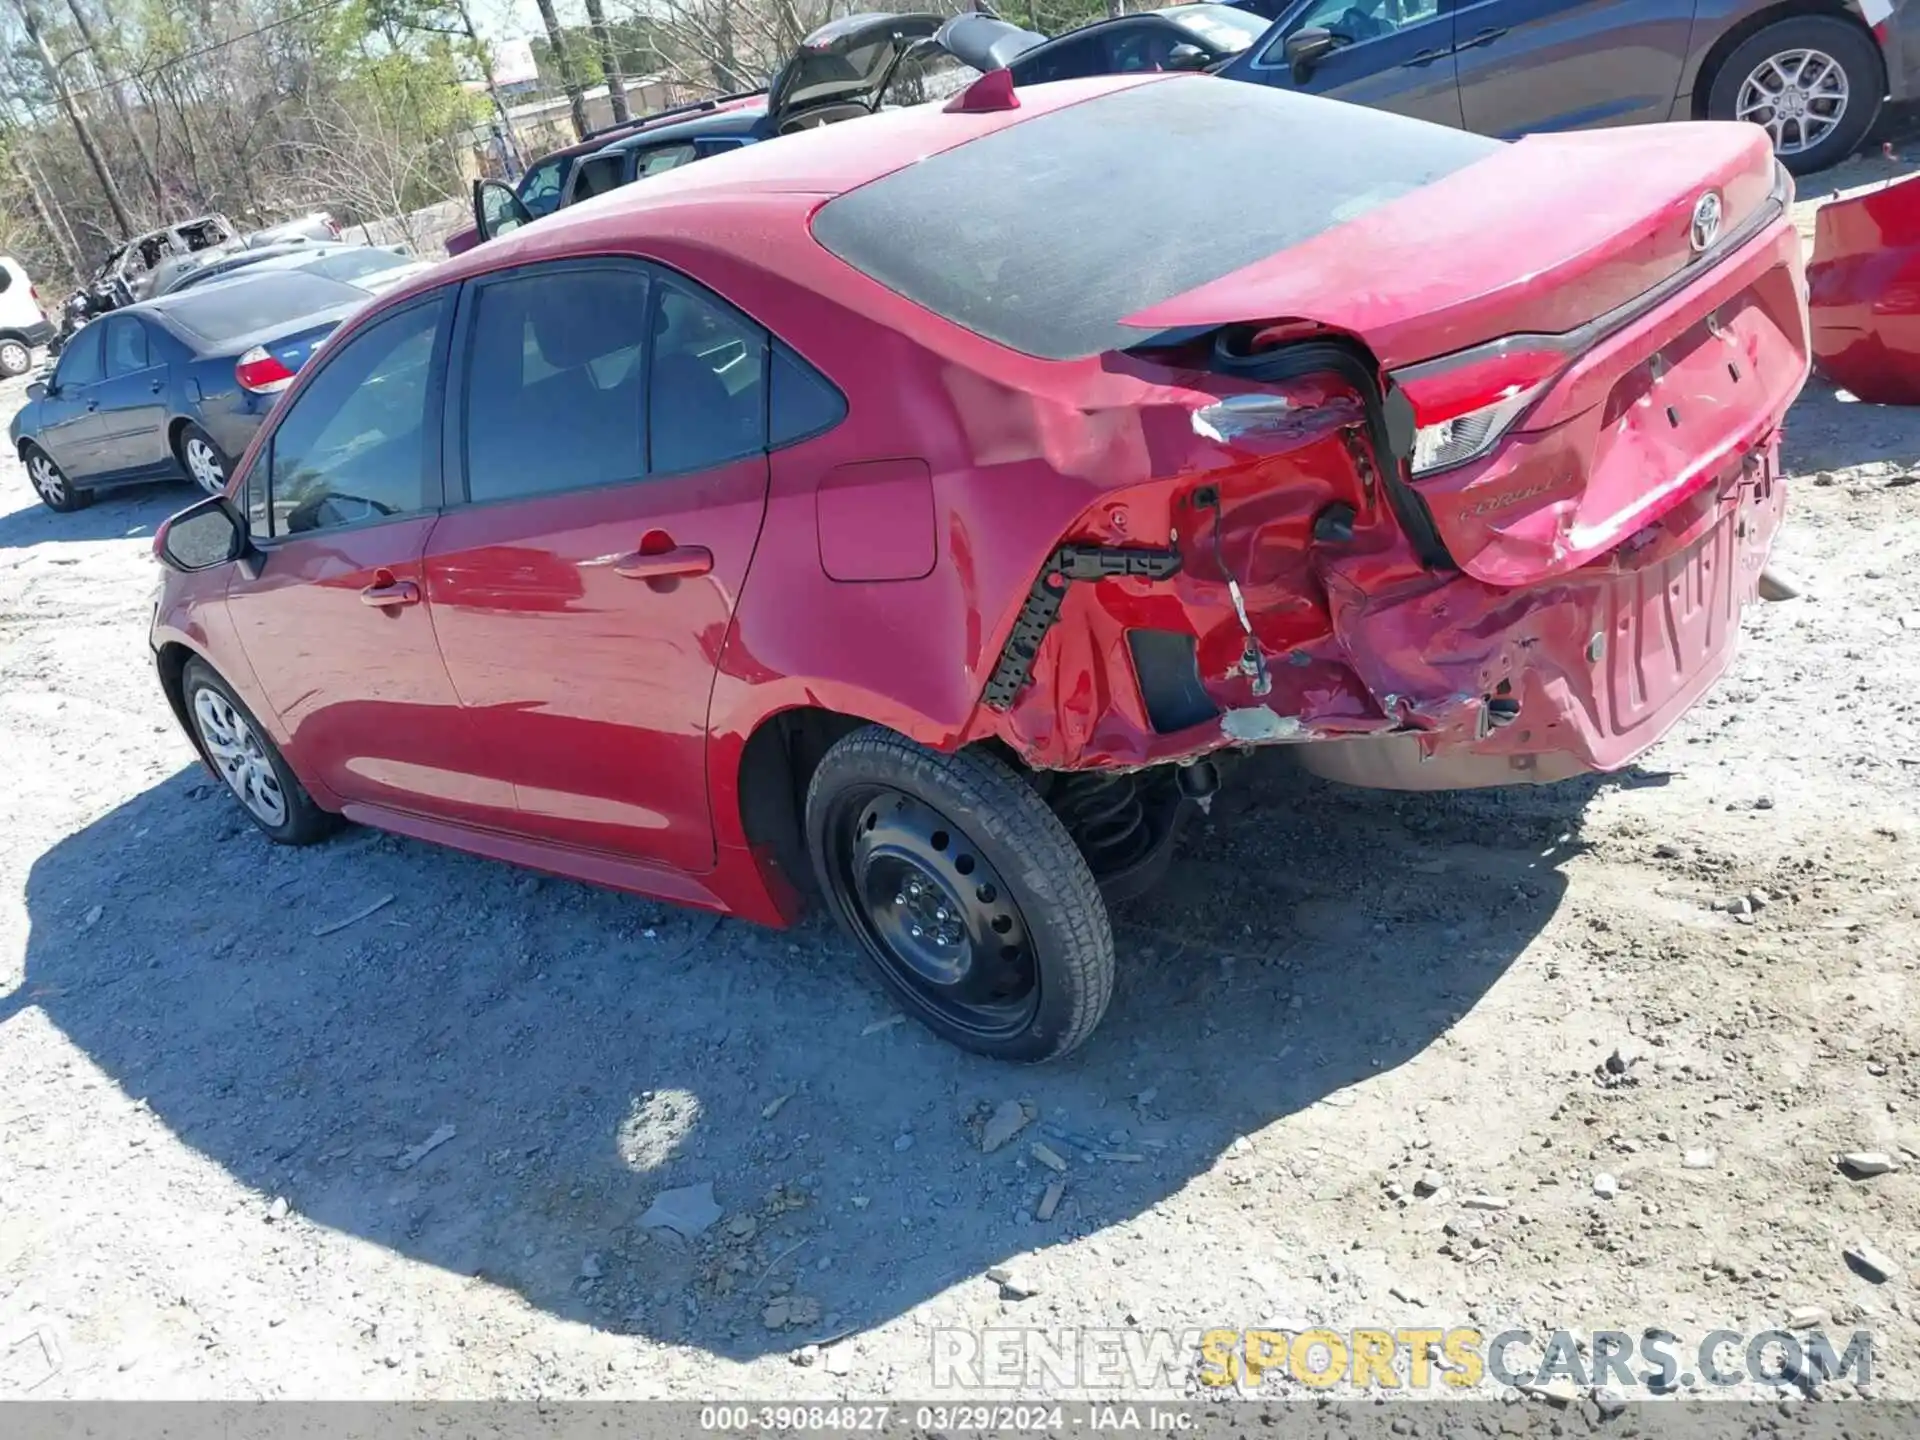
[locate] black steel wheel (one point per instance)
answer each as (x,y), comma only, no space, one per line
(962,887)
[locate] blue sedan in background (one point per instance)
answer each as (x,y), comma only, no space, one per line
(173,388)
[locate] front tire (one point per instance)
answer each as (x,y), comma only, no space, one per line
(203,460)
(975,907)
(1813,82)
(251,765)
(51,484)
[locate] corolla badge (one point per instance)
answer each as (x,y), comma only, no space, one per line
(1706,221)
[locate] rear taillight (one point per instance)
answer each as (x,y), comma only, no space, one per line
(260,371)
(1446,443)
(333,226)
(1463,405)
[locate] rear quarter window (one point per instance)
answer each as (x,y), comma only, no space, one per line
(1046,234)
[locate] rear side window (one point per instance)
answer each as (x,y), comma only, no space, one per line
(556,397)
(126,345)
(667,157)
(354,447)
(1046,234)
(596,177)
(707,391)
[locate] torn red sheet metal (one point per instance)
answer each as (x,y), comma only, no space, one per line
(1864,294)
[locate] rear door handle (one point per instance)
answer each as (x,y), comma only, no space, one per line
(158,386)
(1425,57)
(665,564)
(1485,37)
(391,592)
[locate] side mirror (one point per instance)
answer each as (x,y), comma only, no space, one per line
(496,209)
(37,390)
(202,536)
(1306,48)
(1187,57)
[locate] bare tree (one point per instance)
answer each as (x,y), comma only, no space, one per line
(36,32)
(609,62)
(119,99)
(569,77)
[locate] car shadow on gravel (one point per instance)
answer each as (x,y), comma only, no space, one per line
(116,515)
(496,1074)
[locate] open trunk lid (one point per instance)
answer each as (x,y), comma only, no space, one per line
(845,61)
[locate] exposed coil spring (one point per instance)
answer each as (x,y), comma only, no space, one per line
(1104,815)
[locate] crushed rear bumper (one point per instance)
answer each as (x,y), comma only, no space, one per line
(1580,674)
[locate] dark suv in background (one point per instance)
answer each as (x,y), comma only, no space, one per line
(1812,72)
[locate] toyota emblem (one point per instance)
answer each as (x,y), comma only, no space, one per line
(1706,221)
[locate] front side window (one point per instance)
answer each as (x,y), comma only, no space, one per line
(1355,21)
(555,397)
(126,345)
(80,361)
(354,446)
(707,385)
(540,188)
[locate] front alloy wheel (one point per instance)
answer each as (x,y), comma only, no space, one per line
(50,483)
(976,909)
(240,757)
(254,770)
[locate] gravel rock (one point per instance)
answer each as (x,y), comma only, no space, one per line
(1006,1122)
(1605,1186)
(1865,1164)
(687,1211)
(1871,1264)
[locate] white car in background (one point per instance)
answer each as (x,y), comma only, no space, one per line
(23,324)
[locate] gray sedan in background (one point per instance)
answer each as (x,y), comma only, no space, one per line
(173,388)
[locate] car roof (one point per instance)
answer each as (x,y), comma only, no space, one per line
(715,122)
(822,162)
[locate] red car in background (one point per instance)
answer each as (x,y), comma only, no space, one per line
(899,511)
(1864,293)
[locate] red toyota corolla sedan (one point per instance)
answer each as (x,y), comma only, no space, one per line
(924,509)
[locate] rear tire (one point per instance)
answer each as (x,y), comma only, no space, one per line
(16,357)
(205,463)
(1830,75)
(255,772)
(51,484)
(966,893)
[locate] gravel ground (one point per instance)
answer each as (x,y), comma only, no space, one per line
(410,1157)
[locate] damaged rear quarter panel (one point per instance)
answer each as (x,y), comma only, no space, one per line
(1244,507)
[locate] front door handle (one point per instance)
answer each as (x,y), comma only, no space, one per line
(665,564)
(391,592)
(1485,37)
(1425,57)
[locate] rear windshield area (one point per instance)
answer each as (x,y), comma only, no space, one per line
(1044,235)
(248,303)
